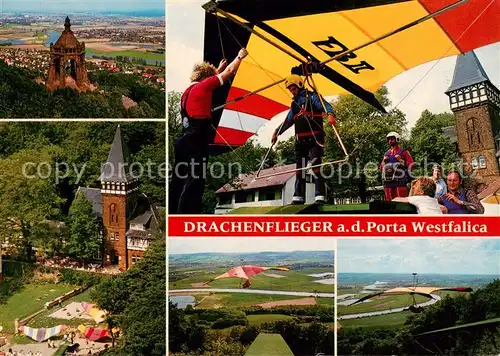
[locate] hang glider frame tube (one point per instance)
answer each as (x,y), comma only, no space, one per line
(212,6)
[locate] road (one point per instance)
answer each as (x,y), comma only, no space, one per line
(253,291)
(435,299)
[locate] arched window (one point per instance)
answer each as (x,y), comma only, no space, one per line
(113,215)
(473,133)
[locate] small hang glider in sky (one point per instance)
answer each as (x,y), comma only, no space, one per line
(246,272)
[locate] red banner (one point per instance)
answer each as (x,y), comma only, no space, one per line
(354,226)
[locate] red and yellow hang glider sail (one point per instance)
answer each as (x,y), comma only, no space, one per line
(246,272)
(424,291)
(318,30)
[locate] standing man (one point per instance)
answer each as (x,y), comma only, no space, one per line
(191,149)
(306,114)
(460,200)
(395,168)
(437,176)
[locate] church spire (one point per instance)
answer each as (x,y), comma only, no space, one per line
(114,170)
(470,85)
(468,71)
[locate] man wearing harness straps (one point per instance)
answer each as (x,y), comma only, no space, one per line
(460,200)
(306,114)
(191,149)
(395,168)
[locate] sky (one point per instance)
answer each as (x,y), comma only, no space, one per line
(242,245)
(424,256)
(80,5)
(185,47)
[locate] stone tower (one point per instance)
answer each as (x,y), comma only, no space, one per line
(117,188)
(475,102)
(67,62)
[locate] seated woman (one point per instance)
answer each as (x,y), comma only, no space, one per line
(422,194)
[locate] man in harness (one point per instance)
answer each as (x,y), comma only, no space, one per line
(306,114)
(191,149)
(395,168)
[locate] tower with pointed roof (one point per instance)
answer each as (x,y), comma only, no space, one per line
(475,102)
(67,62)
(118,186)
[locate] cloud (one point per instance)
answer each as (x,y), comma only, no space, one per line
(426,256)
(255,244)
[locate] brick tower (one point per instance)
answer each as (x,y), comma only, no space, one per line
(117,187)
(475,102)
(67,62)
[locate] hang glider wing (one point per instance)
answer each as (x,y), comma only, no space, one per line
(247,272)
(463,326)
(319,30)
(423,291)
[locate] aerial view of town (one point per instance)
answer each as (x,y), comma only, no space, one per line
(82,54)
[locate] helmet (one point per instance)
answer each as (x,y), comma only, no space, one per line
(394,134)
(294,79)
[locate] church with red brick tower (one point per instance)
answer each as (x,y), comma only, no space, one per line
(129,221)
(475,102)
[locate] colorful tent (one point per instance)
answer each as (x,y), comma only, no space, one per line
(93,334)
(97,314)
(424,291)
(282,34)
(41,334)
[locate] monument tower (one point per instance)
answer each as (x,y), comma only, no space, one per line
(67,62)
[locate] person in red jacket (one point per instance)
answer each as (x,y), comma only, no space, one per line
(395,168)
(191,149)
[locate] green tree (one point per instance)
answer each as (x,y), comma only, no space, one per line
(428,143)
(363,130)
(84,242)
(112,295)
(28,197)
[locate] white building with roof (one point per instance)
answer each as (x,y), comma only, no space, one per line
(249,191)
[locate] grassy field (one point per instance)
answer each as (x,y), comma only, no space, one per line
(238,300)
(269,345)
(29,300)
(264,318)
(384,303)
(132,54)
(296,281)
(45,321)
(388,321)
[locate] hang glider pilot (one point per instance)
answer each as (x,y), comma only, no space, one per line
(191,149)
(395,168)
(306,114)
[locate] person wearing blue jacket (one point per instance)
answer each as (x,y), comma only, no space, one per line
(306,114)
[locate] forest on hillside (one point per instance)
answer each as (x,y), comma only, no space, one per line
(22,97)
